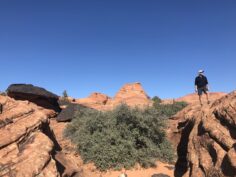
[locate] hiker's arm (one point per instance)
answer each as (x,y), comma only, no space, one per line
(207,86)
(195,88)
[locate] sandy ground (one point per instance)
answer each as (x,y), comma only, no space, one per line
(89,170)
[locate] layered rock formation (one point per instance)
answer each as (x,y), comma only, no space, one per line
(206,138)
(28,147)
(131,94)
(24,149)
(34,94)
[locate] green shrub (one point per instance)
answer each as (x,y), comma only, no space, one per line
(64,94)
(120,138)
(168,110)
(156,100)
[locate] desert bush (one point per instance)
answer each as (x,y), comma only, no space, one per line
(120,138)
(64,94)
(156,100)
(168,110)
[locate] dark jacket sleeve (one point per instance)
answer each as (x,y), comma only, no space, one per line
(195,81)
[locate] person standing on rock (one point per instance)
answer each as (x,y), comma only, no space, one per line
(201,86)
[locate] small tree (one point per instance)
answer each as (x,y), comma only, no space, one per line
(156,100)
(64,94)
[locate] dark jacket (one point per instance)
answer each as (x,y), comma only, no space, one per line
(201,81)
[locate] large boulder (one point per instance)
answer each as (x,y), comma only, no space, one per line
(205,138)
(68,113)
(34,94)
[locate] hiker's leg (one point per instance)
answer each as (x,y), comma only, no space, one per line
(200,99)
(205,90)
(200,95)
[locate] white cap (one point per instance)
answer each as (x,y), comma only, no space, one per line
(201,71)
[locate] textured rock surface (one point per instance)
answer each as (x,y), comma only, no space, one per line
(206,138)
(131,94)
(34,94)
(28,146)
(24,149)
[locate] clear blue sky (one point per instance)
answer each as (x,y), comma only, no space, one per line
(98,45)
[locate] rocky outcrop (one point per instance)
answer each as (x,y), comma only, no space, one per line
(27,144)
(95,100)
(34,94)
(206,138)
(24,149)
(131,94)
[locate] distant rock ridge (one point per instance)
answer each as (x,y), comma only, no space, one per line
(193,98)
(131,94)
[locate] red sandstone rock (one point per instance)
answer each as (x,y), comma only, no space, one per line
(24,149)
(95,100)
(205,138)
(131,94)
(27,144)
